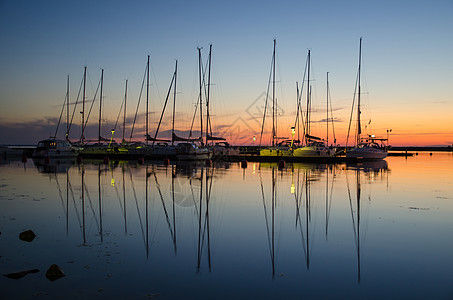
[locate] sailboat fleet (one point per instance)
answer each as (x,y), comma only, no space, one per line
(206,146)
(312,147)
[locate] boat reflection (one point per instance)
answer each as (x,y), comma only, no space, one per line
(54,165)
(371,170)
(303,177)
(155,199)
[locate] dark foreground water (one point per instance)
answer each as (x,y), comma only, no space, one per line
(128,231)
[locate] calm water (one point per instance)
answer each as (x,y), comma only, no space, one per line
(375,231)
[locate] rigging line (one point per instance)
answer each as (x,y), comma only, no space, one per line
(75,106)
(330,198)
(300,96)
(200,249)
(352,109)
(75,207)
(92,208)
(59,192)
(297,197)
(92,103)
(155,80)
(206,218)
(299,219)
(138,210)
(193,197)
(193,119)
(206,95)
(163,205)
(266,99)
(119,113)
(62,110)
(138,103)
(119,199)
(331,115)
(208,199)
(265,215)
(165,105)
(351,209)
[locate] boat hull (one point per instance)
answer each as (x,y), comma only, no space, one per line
(191,152)
(274,151)
(313,151)
(55,148)
(367,153)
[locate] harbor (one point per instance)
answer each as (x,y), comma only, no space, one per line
(263,228)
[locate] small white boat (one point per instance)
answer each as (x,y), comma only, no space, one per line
(222,149)
(55,148)
(368,150)
(190,151)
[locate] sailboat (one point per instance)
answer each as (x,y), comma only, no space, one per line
(277,148)
(194,149)
(160,147)
(54,147)
(369,147)
(314,146)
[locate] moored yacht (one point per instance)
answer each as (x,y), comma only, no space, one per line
(191,151)
(365,148)
(55,148)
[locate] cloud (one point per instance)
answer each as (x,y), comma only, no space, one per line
(336,120)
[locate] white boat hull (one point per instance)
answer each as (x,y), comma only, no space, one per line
(367,153)
(188,151)
(54,148)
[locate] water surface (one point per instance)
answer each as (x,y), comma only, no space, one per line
(379,230)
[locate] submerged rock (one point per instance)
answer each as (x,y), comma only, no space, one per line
(20,274)
(54,272)
(27,235)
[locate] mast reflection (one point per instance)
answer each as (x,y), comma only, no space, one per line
(371,170)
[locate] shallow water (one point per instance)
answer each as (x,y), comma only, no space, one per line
(124,230)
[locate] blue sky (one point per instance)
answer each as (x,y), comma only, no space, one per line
(407,62)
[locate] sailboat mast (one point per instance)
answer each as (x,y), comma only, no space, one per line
(207,99)
(174,107)
(298,109)
(82,137)
(100,106)
(327,109)
(124,115)
(201,101)
(359,129)
(274,116)
(308,99)
(67,111)
(147,98)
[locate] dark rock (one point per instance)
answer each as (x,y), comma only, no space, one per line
(27,236)
(54,272)
(20,274)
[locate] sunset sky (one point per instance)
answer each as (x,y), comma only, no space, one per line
(406,58)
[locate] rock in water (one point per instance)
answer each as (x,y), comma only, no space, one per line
(54,272)
(27,236)
(20,274)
